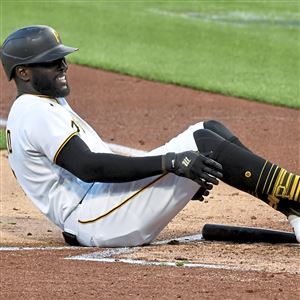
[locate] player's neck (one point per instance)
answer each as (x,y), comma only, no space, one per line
(23,88)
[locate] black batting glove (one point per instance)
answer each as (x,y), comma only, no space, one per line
(193,165)
(203,191)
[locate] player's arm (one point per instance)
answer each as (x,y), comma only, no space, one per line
(77,158)
(89,166)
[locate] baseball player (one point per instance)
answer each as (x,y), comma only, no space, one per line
(99,198)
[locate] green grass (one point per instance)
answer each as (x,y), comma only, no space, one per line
(249,49)
(2,139)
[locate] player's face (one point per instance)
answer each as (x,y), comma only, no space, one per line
(50,78)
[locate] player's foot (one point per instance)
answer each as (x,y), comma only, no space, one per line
(295,223)
(292,210)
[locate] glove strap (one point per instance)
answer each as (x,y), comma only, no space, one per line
(169,162)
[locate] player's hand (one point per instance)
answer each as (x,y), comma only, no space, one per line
(193,165)
(203,191)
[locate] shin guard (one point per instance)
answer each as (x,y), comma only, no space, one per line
(250,173)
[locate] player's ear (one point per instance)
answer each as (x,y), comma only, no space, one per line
(22,72)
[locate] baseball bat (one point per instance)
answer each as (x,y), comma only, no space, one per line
(237,234)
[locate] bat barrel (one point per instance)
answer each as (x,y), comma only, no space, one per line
(218,232)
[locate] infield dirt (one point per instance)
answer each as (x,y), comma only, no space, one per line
(143,115)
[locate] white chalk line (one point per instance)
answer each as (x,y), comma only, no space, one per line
(107,257)
(163,263)
(109,251)
(179,263)
(233,18)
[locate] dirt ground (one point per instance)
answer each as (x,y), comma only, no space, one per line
(142,114)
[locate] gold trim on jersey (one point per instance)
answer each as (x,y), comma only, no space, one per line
(122,202)
(62,145)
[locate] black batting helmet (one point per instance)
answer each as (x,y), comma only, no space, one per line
(31,45)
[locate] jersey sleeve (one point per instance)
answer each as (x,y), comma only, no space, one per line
(49,128)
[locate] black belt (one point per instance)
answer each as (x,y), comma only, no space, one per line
(70,239)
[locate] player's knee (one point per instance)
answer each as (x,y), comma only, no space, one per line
(207,140)
(219,128)
(213,125)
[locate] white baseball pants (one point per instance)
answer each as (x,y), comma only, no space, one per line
(134,213)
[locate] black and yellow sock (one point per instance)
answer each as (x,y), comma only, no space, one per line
(277,184)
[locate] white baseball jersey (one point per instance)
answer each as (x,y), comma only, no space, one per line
(37,129)
(99,214)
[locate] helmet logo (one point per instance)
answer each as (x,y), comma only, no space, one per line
(56,35)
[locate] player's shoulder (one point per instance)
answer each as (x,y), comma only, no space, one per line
(38,100)
(35,104)
(29,107)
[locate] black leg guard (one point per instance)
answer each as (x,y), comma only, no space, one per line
(250,173)
(241,168)
(224,132)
